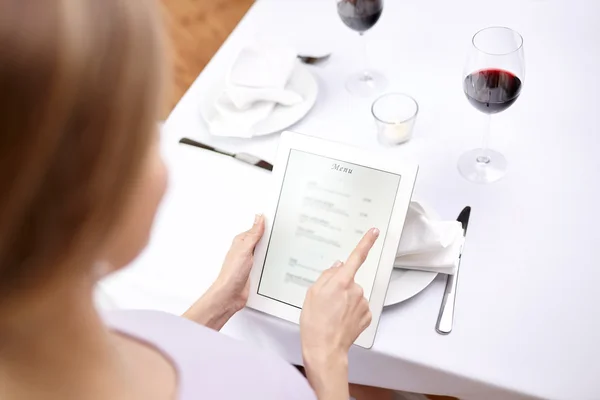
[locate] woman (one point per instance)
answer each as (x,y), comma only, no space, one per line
(81,178)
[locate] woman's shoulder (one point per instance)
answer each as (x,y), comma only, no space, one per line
(211,363)
(157,324)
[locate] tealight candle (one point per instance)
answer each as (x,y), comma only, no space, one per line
(395,115)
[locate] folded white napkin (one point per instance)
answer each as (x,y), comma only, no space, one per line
(428,243)
(254,85)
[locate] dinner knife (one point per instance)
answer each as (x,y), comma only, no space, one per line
(446,316)
(244,157)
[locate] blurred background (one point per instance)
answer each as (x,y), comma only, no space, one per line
(196,29)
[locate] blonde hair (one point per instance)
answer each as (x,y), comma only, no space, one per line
(79,87)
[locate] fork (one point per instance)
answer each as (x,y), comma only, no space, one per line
(313,60)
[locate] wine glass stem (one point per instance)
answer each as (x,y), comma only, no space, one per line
(484,157)
(366,76)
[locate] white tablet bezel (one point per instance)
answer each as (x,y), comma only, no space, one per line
(408,172)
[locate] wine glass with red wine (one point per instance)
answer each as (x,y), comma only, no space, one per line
(492,81)
(362,15)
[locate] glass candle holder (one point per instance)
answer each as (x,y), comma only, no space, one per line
(395,115)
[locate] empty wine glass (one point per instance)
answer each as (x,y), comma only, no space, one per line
(362,15)
(492,80)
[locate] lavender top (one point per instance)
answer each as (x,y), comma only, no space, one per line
(211,365)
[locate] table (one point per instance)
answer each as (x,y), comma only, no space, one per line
(527,319)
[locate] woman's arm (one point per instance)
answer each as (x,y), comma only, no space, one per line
(212,310)
(230,291)
(334,313)
(328,378)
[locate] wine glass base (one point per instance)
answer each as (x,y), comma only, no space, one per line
(482,169)
(366,84)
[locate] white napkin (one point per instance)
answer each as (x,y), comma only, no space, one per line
(254,85)
(428,243)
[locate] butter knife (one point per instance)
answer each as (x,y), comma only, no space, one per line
(446,316)
(244,157)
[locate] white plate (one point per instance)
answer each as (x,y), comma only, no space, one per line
(404,284)
(282,117)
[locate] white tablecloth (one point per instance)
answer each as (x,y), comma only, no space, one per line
(527,319)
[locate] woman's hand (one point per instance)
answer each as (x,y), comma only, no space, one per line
(233,281)
(334,314)
(229,293)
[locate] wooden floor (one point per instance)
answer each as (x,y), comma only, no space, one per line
(196,30)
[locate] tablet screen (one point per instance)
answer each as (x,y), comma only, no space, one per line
(325,207)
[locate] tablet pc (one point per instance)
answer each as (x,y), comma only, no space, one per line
(325,196)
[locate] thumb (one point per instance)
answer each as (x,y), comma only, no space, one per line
(246,241)
(254,234)
(259,225)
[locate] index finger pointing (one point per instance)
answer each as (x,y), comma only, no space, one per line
(359,254)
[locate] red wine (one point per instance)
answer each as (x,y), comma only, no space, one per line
(492,90)
(360,15)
